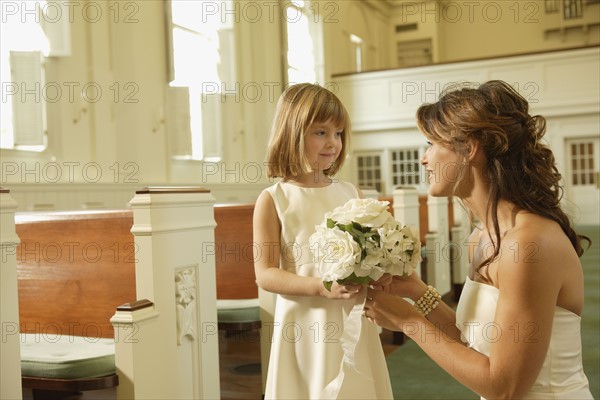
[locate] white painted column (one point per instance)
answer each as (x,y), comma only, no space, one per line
(10,351)
(438,250)
(170,349)
(406,206)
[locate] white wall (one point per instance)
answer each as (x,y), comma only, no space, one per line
(121,138)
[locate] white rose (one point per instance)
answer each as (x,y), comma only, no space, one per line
(335,251)
(367,212)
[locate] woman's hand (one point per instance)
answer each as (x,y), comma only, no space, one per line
(390,311)
(410,286)
(382,283)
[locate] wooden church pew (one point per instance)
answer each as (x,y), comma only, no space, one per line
(75,268)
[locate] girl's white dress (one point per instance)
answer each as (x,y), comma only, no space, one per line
(562,375)
(306,350)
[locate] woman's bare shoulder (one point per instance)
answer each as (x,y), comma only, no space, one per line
(538,243)
(537,231)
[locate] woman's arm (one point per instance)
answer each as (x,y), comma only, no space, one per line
(413,287)
(523,322)
(266,236)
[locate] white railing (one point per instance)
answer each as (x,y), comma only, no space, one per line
(557,83)
(47,196)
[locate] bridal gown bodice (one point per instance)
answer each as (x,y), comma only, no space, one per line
(561,376)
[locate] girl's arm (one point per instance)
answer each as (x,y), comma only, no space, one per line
(266,236)
(529,287)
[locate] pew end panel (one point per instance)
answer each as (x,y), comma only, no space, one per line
(234,252)
(73,270)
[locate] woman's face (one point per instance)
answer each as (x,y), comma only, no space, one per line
(444,168)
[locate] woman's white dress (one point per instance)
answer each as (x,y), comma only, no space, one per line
(562,375)
(306,350)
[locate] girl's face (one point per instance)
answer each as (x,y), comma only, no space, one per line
(322,144)
(444,168)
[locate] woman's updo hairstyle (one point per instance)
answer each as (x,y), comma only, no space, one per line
(520,167)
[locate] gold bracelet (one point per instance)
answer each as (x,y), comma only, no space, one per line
(430,300)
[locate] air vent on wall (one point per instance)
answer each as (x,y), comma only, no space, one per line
(406,27)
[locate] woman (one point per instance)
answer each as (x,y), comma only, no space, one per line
(516,331)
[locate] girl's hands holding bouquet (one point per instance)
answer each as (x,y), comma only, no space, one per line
(341,291)
(351,290)
(361,243)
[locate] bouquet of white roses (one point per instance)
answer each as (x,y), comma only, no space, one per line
(360,241)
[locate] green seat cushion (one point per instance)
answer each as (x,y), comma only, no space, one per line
(66,357)
(238,310)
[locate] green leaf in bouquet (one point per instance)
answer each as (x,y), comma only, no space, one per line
(352,278)
(359,227)
(345,227)
(357,233)
(330,223)
(360,239)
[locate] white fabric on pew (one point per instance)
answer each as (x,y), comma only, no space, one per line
(66,357)
(238,310)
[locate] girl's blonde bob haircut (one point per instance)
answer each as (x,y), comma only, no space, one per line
(299,107)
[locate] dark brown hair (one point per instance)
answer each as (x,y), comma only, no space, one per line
(520,167)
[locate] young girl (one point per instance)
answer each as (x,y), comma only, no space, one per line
(308,146)
(518,317)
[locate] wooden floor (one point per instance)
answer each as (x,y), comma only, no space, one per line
(240,364)
(239,360)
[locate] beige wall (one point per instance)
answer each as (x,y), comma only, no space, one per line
(510,27)
(462,30)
